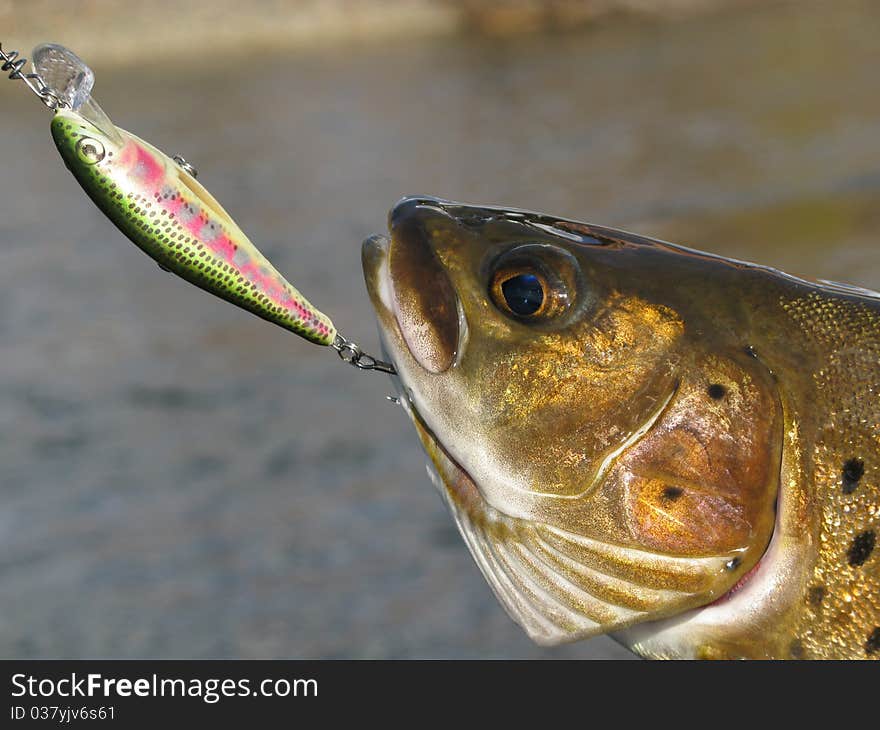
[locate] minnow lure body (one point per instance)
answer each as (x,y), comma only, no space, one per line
(173,219)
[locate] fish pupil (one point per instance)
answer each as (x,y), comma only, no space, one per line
(523,293)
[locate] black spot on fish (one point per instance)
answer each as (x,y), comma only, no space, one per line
(853,470)
(861,547)
(672,493)
(816,595)
(733,564)
(750,351)
(716,391)
(872,645)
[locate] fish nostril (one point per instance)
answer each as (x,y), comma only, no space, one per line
(425,303)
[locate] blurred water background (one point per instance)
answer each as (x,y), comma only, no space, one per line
(180,479)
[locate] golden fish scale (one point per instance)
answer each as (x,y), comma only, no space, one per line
(841,608)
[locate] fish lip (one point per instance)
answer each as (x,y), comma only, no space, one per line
(374,258)
(374,255)
(375,261)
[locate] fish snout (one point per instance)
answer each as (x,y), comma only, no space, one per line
(420,293)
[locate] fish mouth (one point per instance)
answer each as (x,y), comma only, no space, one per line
(558,585)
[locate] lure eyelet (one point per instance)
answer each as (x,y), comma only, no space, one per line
(90,150)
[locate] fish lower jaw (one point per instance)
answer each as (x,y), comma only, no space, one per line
(455,482)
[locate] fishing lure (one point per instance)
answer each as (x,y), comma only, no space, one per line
(156,201)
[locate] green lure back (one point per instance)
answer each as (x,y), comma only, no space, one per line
(174,220)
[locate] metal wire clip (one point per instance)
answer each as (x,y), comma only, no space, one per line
(14,62)
(352,353)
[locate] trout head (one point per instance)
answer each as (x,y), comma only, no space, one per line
(606,442)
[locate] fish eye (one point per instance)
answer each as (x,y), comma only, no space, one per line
(90,151)
(523,294)
(534,283)
(526,292)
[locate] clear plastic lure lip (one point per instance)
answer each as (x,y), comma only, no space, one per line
(65,73)
(72,81)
